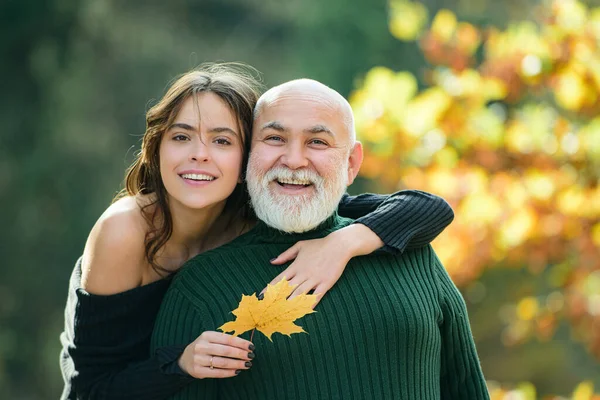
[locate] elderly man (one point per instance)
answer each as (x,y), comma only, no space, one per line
(394,326)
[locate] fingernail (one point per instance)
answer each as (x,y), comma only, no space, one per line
(273,259)
(251,347)
(250,355)
(238,371)
(248,364)
(261,296)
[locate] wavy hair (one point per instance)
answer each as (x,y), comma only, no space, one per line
(239,87)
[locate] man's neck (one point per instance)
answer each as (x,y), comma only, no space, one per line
(273,235)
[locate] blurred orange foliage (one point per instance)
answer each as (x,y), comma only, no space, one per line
(508,131)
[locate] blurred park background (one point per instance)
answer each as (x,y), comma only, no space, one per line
(493,105)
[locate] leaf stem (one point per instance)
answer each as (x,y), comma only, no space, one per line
(252,334)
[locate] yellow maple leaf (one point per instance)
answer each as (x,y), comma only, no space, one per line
(274,313)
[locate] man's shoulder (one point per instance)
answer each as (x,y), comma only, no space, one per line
(421,258)
(203,265)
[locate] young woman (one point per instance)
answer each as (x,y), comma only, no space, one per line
(184,195)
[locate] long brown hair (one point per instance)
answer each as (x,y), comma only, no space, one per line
(236,84)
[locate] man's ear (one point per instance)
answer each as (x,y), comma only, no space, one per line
(355,161)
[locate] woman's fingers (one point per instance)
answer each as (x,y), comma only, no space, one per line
(320,291)
(229,352)
(204,360)
(288,274)
(287,255)
(225,353)
(206,372)
(303,288)
(228,340)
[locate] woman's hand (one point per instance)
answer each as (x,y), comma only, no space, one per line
(228,355)
(319,263)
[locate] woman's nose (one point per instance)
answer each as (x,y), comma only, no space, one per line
(200,152)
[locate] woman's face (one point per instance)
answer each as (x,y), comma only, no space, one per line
(201,153)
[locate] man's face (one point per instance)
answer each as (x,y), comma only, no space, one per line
(300,161)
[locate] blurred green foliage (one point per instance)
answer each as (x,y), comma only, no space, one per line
(77,78)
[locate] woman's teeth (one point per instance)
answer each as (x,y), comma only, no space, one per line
(198,177)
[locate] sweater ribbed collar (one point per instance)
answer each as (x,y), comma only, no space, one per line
(271,235)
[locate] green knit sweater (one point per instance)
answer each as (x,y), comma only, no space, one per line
(393,327)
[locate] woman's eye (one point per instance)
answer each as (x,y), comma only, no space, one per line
(222,141)
(180,137)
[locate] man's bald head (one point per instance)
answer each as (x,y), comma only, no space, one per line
(310,89)
(304,154)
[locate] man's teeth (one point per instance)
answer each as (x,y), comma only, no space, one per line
(294,182)
(198,177)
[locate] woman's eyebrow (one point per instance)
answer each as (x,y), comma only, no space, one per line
(218,129)
(181,125)
(221,129)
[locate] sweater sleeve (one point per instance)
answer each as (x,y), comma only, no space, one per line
(105,346)
(461,377)
(179,322)
(405,219)
(146,379)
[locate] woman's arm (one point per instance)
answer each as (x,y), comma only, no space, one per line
(109,320)
(405,219)
(105,353)
(138,380)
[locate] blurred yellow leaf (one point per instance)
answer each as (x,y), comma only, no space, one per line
(584,391)
(407,19)
(423,112)
(480,208)
(444,24)
(468,37)
(594,22)
(527,308)
(596,234)
(517,228)
(571,201)
(571,15)
(527,391)
(539,185)
(570,91)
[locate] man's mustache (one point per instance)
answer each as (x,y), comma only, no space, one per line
(282,173)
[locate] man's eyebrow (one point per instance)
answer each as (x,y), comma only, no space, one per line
(319,129)
(275,125)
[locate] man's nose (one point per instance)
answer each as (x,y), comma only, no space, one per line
(199,152)
(294,157)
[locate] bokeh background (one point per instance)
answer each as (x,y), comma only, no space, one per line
(493,105)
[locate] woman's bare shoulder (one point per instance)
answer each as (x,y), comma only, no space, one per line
(114,256)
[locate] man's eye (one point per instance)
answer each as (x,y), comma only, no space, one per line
(222,141)
(274,139)
(318,142)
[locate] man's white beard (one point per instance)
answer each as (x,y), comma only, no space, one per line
(295,213)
